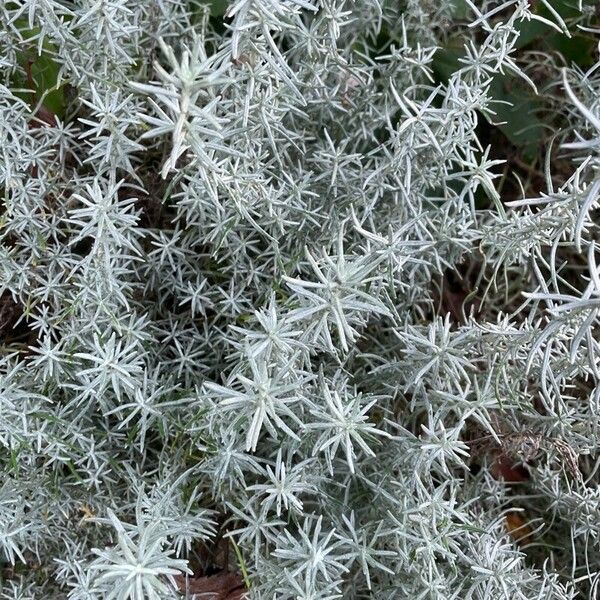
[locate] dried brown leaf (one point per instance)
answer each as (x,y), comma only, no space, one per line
(222,586)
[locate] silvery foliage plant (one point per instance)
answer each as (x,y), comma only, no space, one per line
(226,257)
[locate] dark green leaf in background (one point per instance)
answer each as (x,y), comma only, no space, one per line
(44,72)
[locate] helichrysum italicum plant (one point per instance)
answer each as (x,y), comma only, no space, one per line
(227,252)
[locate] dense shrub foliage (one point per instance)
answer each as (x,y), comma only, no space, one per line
(288,289)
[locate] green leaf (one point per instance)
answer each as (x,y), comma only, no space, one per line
(44,72)
(445,62)
(516,107)
(218,7)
